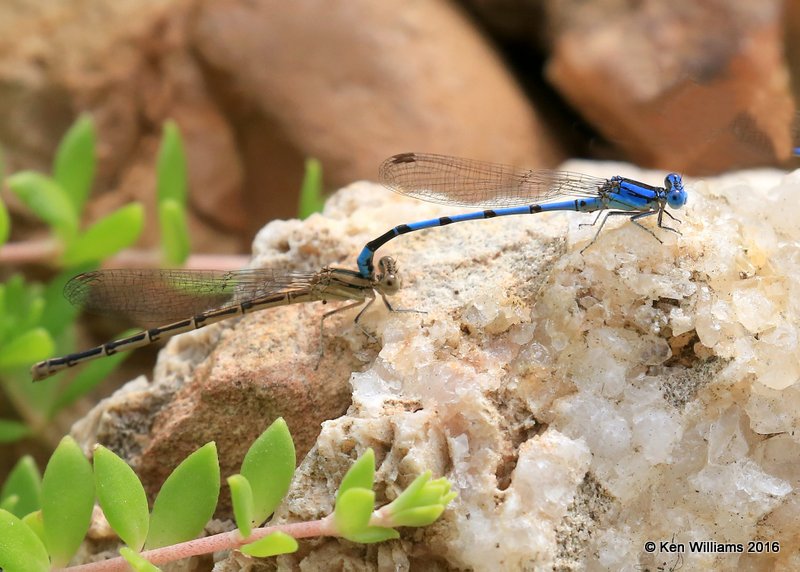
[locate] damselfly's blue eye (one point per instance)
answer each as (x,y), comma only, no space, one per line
(676,195)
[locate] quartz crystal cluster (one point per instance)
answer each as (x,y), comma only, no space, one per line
(585,404)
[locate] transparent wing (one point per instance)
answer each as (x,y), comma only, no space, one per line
(155,296)
(464,182)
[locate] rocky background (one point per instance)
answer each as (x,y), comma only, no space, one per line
(258,86)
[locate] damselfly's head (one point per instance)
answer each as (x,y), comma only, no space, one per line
(387,278)
(676,194)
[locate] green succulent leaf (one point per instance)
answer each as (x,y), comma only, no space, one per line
(137,561)
(67,500)
(106,237)
(11,432)
(409,497)
(353,510)
(374,534)
(32,317)
(171,167)
(75,161)
(418,516)
(20,548)
(30,346)
(9,503)
(434,492)
(421,503)
(48,200)
(272,545)
(5,223)
(361,474)
(8,324)
(58,312)
(15,291)
(174,232)
(24,482)
(34,521)
(242,498)
(269,466)
(187,499)
(121,497)
(312,199)
(89,377)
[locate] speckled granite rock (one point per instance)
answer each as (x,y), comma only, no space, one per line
(582,405)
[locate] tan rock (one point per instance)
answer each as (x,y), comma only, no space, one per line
(371,79)
(684,86)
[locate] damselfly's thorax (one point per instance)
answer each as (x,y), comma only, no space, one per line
(610,187)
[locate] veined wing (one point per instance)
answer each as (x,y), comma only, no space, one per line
(465,182)
(155,296)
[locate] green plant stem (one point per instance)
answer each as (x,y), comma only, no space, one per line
(224,541)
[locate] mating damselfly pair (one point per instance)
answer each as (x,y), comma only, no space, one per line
(192,299)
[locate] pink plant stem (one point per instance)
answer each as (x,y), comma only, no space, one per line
(215,543)
(33,251)
(47,251)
